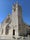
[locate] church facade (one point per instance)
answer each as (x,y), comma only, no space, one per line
(13,25)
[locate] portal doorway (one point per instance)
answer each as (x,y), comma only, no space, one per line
(13,32)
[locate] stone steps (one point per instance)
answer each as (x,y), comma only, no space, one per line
(9,38)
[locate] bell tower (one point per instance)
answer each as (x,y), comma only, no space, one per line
(17,18)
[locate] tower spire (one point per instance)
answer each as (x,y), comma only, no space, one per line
(17,2)
(8,14)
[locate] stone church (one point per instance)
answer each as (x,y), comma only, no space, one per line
(13,25)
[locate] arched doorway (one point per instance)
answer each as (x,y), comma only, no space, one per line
(13,32)
(7,30)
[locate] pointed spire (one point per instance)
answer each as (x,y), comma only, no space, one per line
(8,14)
(17,2)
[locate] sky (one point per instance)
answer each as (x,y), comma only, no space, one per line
(6,7)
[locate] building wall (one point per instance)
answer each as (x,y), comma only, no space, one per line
(14,22)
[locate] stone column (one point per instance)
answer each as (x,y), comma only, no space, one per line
(4,31)
(10,33)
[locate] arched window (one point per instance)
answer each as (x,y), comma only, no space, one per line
(7,30)
(7,19)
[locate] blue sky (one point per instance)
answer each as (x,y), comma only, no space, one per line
(6,7)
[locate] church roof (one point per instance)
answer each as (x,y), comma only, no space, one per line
(7,18)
